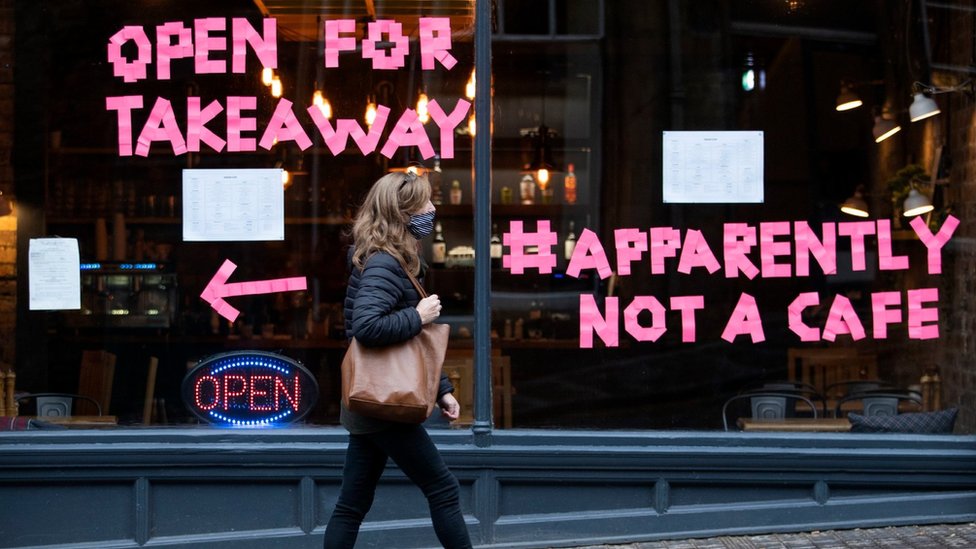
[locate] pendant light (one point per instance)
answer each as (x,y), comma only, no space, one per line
(276,87)
(322,102)
(370,115)
(422,113)
(884,128)
(847,99)
(856,205)
(469,88)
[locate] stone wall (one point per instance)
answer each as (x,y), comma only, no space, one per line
(8,224)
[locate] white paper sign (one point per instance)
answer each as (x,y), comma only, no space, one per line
(54,274)
(713,167)
(228,205)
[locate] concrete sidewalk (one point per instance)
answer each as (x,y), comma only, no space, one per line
(938,536)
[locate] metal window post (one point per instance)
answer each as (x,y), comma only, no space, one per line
(482,225)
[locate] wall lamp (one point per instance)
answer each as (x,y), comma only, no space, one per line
(856,205)
(916,203)
(923,106)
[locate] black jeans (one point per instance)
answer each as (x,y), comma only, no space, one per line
(415,454)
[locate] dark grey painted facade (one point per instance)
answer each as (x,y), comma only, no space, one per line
(276,488)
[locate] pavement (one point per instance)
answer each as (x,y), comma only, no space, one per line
(938,536)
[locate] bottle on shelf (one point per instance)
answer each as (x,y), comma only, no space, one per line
(496,247)
(569,185)
(527,189)
(438,252)
(436,193)
(569,245)
(455,192)
(505,195)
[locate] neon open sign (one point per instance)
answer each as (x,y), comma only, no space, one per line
(249,389)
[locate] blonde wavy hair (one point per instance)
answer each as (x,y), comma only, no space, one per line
(381,223)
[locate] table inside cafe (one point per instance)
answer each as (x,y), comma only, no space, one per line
(80,422)
(795,424)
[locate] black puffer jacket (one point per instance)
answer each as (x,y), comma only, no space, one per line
(380,309)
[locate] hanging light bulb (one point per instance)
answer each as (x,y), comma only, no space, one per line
(285,179)
(276,87)
(267,75)
(469,88)
(370,111)
(422,113)
(471,125)
(542,177)
(322,103)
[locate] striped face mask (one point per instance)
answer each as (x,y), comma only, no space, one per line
(421,225)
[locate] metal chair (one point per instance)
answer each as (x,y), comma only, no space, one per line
(767,404)
(58,404)
(791,387)
(882,402)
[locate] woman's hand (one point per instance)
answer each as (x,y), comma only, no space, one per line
(449,407)
(429,309)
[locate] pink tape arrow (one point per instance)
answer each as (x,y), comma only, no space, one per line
(218,288)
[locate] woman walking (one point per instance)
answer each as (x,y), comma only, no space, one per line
(382,307)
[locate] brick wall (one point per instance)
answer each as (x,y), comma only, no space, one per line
(954,352)
(8,224)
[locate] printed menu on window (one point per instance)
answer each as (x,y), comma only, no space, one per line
(229,205)
(54,274)
(713,167)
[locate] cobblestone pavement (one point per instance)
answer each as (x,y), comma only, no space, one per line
(962,536)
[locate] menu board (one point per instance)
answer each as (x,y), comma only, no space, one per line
(229,205)
(54,274)
(713,167)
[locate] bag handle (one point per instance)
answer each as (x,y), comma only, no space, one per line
(416,284)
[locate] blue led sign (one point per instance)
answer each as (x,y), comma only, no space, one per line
(249,389)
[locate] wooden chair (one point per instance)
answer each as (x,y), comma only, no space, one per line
(823,367)
(95,381)
(459,367)
(8,404)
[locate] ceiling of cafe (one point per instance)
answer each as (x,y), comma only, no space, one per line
(299,19)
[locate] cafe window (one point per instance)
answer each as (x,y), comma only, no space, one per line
(204,163)
(672,188)
(669,243)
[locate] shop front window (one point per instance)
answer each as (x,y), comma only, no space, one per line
(669,181)
(205,162)
(703,215)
